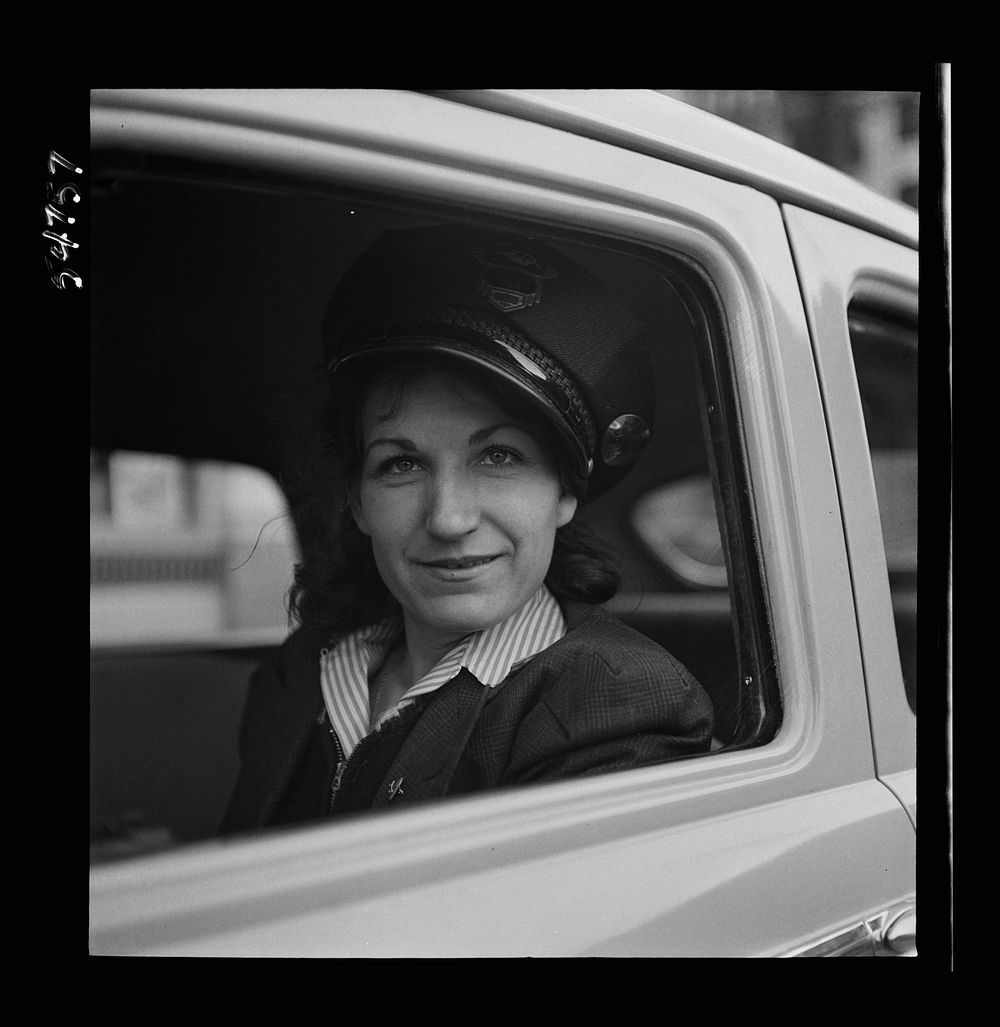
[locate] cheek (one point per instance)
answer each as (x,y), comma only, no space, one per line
(385,518)
(535,514)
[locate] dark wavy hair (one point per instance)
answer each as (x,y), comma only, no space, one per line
(336,584)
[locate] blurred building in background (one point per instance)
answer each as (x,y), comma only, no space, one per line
(871,136)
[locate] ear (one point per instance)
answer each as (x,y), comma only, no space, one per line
(565,509)
(357,512)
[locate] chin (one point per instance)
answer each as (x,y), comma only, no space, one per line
(462,615)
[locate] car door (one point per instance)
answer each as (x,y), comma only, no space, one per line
(790,844)
(847,274)
(861,293)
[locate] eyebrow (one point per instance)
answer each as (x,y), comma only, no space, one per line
(400,443)
(477,436)
(485,433)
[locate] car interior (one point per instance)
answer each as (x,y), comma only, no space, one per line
(207,288)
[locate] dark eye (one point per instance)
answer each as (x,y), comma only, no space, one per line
(399,465)
(499,456)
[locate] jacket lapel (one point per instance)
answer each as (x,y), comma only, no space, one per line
(424,766)
(426,761)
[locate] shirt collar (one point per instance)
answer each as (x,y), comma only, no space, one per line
(489,655)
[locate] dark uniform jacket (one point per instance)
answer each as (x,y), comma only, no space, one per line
(604,697)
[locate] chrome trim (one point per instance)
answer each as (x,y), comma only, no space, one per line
(891,932)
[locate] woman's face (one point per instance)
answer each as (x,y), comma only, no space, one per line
(461,501)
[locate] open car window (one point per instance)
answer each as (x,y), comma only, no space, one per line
(207,294)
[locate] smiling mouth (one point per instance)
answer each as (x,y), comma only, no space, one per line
(461,564)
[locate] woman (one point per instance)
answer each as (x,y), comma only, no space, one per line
(450,639)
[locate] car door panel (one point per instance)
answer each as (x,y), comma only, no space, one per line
(582,886)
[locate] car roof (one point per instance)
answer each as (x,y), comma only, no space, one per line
(650,122)
(640,120)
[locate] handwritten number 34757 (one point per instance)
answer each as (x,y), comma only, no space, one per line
(58,200)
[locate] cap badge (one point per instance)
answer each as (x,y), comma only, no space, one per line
(511,279)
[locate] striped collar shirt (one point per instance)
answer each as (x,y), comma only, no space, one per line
(490,655)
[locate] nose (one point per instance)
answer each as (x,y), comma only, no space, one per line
(452,506)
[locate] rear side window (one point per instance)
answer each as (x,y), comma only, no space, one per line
(884,346)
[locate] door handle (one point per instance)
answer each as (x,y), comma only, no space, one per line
(892,932)
(899,936)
